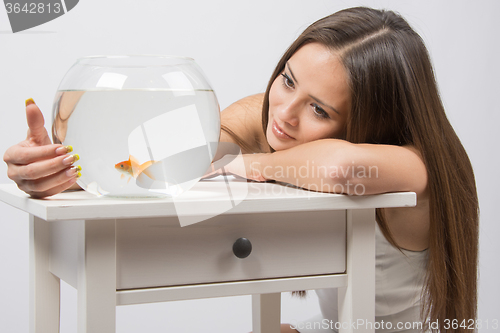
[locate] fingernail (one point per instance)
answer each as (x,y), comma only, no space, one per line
(78,174)
(75,170)
(64,150)
(71,159)
(29,101)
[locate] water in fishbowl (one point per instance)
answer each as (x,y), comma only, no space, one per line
(139,143)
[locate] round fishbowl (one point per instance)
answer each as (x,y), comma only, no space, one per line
(143,126)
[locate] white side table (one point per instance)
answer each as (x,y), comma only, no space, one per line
(131,251)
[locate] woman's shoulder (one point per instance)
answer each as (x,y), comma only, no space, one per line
(244,119)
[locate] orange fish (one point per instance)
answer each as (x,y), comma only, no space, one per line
(132,168)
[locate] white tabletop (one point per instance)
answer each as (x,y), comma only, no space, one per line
(205,198)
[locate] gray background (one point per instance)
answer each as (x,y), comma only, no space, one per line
(238,43)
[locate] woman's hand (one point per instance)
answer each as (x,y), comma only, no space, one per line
(248,166)
(39,167)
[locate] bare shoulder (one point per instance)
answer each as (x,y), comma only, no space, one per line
(244,118)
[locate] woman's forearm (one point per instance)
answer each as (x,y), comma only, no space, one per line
(338,166)
(308,165)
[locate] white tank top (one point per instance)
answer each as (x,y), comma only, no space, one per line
(399,279)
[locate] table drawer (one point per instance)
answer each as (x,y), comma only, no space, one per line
(157,252)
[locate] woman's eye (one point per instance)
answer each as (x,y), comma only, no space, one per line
(319,112)
(287,81)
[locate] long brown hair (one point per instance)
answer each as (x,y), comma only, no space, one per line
(395,100)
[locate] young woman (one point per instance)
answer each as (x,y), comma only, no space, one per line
(356,89)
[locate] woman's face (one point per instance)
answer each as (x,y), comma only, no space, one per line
(310,100)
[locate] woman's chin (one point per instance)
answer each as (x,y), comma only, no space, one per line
(278,145)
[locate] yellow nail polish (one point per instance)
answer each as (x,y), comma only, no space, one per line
(76,157)
(69,149)
(29,101)
(78,174)
(78,168)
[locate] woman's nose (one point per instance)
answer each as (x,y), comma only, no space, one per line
(290,113)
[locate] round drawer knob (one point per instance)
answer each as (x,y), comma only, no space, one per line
(242,248)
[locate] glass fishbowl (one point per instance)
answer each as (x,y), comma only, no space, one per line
(143,126)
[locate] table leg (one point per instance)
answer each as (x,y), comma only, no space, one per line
(266,313)
(96,277)
(44,295)
(357,301)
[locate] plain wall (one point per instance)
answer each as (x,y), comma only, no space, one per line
(237,43)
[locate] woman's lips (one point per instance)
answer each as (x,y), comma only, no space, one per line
(278,132)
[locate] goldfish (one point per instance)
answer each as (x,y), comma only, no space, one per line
(132,168)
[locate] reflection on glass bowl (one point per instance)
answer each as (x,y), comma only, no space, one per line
(142,125)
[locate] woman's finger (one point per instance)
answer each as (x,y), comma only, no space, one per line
(211,172)
(22,154)
(41,169)
(34,117)
(50,185)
